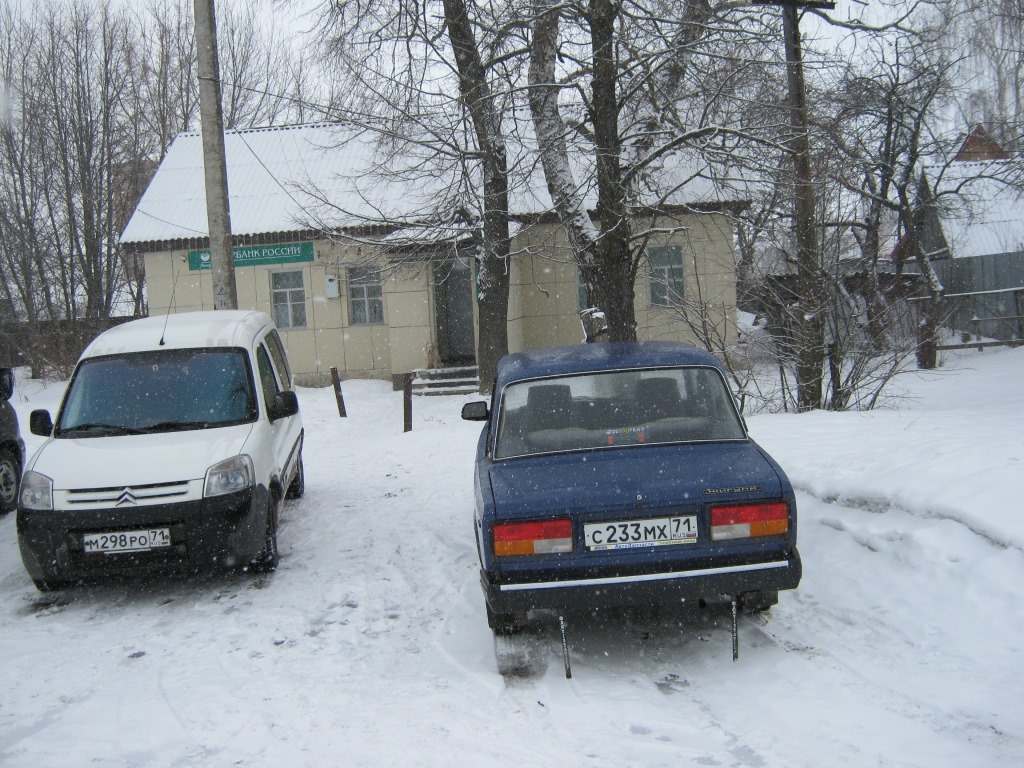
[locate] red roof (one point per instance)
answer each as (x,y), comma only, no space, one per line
(980,146)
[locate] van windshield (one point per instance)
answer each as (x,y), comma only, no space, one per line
(162,391)
(616,409)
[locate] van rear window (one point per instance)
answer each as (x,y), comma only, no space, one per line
(160,391)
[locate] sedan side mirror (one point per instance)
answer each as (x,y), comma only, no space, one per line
(284,404)
(40,423)
(475,411)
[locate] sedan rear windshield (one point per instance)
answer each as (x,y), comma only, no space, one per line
(162,391)
(615,409)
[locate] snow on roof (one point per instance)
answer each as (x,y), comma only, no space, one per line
(331,176)
(188,330)
(981,210)
(279,180)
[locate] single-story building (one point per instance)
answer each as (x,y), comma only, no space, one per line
(973,232)
(326,243)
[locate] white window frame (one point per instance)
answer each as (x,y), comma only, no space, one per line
(294,300)
(365,294)
(665,283)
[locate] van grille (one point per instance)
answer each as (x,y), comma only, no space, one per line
(127,496)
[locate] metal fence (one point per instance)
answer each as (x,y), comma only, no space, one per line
(987,293)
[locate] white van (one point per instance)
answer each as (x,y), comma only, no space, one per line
(177,440)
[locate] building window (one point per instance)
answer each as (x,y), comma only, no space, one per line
(581,291)
(288,299)
(365,296)
(666,279)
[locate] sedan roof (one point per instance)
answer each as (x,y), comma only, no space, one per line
(584,358)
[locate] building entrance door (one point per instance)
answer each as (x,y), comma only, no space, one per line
(453,312)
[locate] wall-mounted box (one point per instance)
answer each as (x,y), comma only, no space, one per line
(331,287)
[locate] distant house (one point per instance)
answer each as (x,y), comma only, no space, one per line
(331,246)
(973,231)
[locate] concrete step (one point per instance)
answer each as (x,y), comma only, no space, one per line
(460,380)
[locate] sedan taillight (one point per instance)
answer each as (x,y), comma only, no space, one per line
(536,538)
(749,520)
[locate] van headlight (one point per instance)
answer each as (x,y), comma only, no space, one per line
(36,491)
(229,476)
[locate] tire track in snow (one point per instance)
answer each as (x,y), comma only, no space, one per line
(882,505)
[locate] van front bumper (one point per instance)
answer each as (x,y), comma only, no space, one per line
(206,534)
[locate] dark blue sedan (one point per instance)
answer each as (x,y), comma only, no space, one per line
(622,474)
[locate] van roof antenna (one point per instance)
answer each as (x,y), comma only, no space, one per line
(169,305)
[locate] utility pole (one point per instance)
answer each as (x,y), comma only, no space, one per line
(810,324)
(218,212)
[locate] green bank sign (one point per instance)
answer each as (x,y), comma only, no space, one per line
(250,255)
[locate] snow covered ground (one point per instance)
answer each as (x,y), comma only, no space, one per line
(369,646)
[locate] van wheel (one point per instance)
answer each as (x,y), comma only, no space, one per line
(267,560)
(10,475)
(51,585)
(298,484)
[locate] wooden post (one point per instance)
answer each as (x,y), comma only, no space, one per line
(407,402)
(337,392)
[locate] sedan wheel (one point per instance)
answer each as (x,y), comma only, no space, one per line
(505,623)
(758,602)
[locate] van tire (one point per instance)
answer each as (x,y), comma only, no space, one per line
(297,488)
(266,561)
(52,585)
(10,476)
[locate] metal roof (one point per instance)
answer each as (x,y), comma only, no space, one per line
(981,208)
(329,176)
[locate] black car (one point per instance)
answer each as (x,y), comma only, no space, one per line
(12,447)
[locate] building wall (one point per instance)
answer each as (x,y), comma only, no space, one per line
(543,298)
(709,307)
(544,288)
(543,306)
(329,339)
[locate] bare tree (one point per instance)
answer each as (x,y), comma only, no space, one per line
(992,71)
(887,124)
(634,101)
(254,65)
(89,57)
(166,78)
(445,104)
(486,115)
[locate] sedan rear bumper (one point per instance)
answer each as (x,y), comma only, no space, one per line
(643,589)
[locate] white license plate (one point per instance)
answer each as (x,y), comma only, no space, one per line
(126,541)
(626,534)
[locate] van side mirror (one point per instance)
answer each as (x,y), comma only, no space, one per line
(40,423)
(284,404)
(475,411)
(6,383)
